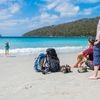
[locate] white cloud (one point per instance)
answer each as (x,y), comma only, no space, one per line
(9,12)
(90,11)
(14,26)
(54,17)
(44,15)
(10,1)
(45,19)
(86,11)
(67,10)
(63,7)
(7,24)
(54,12)
(4,14)
(14,8)
(14,22)
(3,1)
(52,5)
(88,1)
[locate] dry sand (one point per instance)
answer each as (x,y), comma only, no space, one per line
(18,81)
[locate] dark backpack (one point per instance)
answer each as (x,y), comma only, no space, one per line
(51,63)
(54,64)
(51,53)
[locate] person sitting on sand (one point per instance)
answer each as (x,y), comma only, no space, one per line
(86,54)
(6,48)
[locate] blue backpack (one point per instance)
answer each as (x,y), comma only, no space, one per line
(38,64)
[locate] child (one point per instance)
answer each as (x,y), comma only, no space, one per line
(6,48)
(96,55)
(86,54)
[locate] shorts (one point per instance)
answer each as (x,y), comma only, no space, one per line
(96,55)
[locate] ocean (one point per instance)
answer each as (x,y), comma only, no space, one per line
(31,46)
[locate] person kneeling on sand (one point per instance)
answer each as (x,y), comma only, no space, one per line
(86,54)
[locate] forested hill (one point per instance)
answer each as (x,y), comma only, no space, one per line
(80,28)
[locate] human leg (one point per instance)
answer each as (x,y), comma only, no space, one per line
(96,61)
(79,61)
(95,73)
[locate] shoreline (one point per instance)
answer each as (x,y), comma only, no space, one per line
(37,51)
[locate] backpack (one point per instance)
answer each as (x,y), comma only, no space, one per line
(54,64)
(65,68)
(51,53)
(51,63)
(38,64)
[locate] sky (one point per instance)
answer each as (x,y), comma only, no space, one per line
(20,16)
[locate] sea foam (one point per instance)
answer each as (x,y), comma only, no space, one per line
(32,51)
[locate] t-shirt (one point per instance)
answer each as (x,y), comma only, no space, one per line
(89,52)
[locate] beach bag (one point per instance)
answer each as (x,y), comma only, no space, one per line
(38,63)
(65,68)
(82,69)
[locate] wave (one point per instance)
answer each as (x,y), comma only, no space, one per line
(29,51)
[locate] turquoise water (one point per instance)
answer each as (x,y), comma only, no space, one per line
(29,45)
(42,42)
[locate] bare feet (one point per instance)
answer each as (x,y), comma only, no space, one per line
(93,77)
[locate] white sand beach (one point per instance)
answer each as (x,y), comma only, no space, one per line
(18,81)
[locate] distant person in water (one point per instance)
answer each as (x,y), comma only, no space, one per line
(85,55)
(7,48)
(96,55)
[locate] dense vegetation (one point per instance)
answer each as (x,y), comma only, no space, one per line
(82,28)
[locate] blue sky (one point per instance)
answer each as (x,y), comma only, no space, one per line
(20,16)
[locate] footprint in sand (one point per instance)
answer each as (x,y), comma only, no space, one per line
(28,86)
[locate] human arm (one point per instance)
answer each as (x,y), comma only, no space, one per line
(96,42)
(98,34)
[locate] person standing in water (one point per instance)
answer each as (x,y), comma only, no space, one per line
(96,55)
(7,48)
